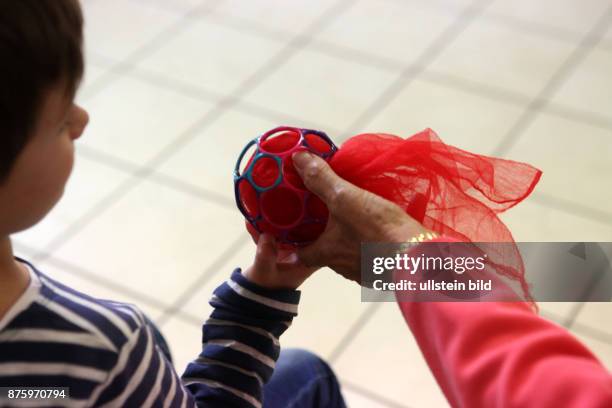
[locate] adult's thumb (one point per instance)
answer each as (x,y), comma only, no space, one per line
(318,177)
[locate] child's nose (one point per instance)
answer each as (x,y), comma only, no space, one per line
(81,119)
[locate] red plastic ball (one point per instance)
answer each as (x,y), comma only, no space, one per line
(270,192)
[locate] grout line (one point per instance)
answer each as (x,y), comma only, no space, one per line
(572,208)
(104,204)
(189,17)
(352,55)
(577,309)
(273,64)
(592,332)
(199,93)
(194,191)
(449,80)
(558,78)
(187,135)
(158,177)
(433,77)
(193,288)
(92,277)
(370,395)
(412,71)
(352,332)
(520,24)
(579,116)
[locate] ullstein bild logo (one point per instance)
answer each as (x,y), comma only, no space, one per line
(535,271)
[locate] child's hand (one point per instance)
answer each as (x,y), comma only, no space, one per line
(274,268)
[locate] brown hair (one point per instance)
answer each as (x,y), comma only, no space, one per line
(40,47)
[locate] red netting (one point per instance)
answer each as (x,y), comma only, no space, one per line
(450,191)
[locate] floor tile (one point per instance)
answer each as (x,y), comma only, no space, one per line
(603,351)
(500,56)
(608,38)
(588,88)
(155,240)
(399,30)
(209,159)
(92,74)
(123,16)
(557,312)
(180,6)
(293,17)
(462,119)
(323,319)
(197,305)
(577,17)
(384,357)
(531,221)
(184,340)
(574,158)
(133,120)
(354,399)
(210,55)
(80,282)
(322,89)
(90,182)
(597,316)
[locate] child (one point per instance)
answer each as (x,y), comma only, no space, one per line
(108,353)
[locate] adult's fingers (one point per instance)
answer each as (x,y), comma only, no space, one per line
(319,178)
(312,256)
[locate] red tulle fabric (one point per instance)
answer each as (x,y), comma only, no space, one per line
(450,191)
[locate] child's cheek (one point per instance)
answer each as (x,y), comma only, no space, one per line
(48,176)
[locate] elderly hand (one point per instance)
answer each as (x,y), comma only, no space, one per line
(355,216)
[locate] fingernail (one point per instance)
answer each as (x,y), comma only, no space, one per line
(292,258)
(301,158)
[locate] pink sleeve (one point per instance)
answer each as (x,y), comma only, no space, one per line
(504,355)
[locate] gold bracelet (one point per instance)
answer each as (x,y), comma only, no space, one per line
(423,237)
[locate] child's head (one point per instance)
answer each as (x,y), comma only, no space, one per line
(42,65)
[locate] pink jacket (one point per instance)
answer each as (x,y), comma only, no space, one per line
(504,355)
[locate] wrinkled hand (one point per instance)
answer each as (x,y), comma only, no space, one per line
(355,216)
(274,268)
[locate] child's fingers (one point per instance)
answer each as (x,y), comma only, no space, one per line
(265,257)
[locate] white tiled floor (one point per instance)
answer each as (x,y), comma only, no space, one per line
(343,92)
(484,53)
(581,150)
(166,238)
(239,55)
(577,17)
(135,119)
(589,87)
(423,104)
(398,30)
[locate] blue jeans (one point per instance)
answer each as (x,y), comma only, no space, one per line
(302,380)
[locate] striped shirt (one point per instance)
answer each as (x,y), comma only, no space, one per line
(106,354)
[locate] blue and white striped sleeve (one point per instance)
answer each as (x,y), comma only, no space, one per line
(240,343)
(142,377)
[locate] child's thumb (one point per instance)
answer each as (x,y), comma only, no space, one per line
(267,251)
